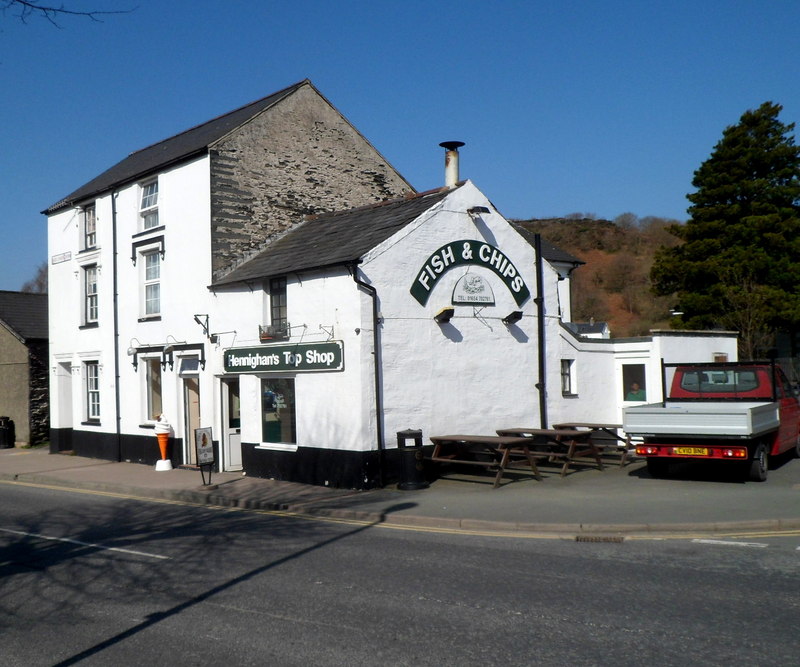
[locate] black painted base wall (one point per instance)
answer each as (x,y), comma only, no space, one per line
(129,448)
(321,467)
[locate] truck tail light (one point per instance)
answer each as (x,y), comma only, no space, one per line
(644,450)
(734,453)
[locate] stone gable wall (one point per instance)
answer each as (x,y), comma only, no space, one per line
(299,157)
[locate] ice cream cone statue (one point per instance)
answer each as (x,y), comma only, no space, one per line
(162,429)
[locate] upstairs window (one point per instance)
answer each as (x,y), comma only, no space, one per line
(90,294)
(277,303)
(152,283)
(148,210)
(89,227)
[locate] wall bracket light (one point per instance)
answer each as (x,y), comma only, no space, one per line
(512,318)
(444,315)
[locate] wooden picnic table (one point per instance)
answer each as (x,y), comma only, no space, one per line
(605,436)
(499,448)
(566,444)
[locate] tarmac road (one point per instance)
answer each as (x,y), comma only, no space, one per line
(616,501)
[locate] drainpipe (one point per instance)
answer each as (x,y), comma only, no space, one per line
(376,361)
(541,385)
(115,294)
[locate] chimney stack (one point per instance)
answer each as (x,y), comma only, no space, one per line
(451,162)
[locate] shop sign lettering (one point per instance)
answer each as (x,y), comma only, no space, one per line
(458,253)
(296,357)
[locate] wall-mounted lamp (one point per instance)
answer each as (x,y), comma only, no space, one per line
(444,315)
(477,211)
(513,317)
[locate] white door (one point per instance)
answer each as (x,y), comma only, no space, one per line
(232,421)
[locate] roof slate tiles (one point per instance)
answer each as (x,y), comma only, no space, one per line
(25,314)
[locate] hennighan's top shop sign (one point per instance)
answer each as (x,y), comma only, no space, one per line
(295,357)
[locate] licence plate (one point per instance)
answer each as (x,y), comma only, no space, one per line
(692,451)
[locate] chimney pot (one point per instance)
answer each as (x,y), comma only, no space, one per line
(451,176)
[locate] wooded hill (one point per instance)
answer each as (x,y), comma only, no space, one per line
(614,284)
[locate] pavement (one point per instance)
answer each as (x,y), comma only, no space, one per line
(588,503)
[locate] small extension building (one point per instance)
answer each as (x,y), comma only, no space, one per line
(23,364)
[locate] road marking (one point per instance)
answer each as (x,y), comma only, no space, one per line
(83,544)
(757,545)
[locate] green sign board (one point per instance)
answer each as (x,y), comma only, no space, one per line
(295,357)
(458,253)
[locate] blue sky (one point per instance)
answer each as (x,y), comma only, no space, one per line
(565,106)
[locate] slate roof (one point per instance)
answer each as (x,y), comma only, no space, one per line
(550,252)
(178,148)
(333,239)
(24,314)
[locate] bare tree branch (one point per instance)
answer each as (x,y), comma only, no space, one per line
(25,9)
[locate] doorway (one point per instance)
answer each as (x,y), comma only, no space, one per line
(191,411)
(231,426)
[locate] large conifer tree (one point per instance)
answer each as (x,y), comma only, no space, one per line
(739,264)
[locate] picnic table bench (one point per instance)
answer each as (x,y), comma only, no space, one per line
(497,448)
(606,437)
(516,448)
(565,444)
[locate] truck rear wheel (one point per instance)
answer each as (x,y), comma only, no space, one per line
(657,467)
(759,464)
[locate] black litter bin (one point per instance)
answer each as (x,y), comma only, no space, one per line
(412,470)
(7,434)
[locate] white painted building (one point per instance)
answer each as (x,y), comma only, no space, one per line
(309,353)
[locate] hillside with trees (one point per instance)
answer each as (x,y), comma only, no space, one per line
(614,285)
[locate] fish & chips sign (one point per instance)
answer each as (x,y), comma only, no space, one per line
(459,253)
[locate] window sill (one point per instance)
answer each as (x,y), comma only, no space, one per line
(89,325)
(159,228)
(570,395)
(86,251)
(91,422)
(277,447)
(150,318)
(150,426)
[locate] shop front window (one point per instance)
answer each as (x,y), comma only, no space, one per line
(278,411)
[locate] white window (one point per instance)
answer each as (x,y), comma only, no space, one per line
(278,411)
(153,405)
(92,390)
(152,283)
(567,378)
(148,210)
(89,227)
(90,293)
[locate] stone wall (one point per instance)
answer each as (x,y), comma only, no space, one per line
(299,157)
(39,396)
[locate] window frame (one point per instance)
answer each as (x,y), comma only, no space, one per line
(149,282)
(153,402)
(92,390)
(89,231)
(91,306)
(568,378)
(148,205)
(281,412)
(278,315)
